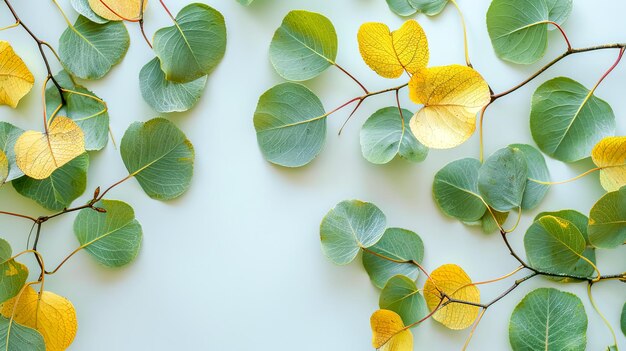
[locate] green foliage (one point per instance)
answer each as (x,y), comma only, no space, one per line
(623,319)
(82,7)
(402,296)
(534,192)
(16,337)
(410,7)
(607,220)
(502,179)
(455,190)
(13,274)
(8,135)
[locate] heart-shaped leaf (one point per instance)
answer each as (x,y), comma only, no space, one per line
(455,190)
(607,220)
(553,245)
(13,274)
(502,179)
(401,296)
(388,332)
(15,77)
(113,9)
(610,155)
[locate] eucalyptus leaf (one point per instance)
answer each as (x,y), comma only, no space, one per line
(89,50)
(548,319)
(245,2)
(537,170)
(349,227)
(303,46)
(386,134)
(13,274)
(402,296)
(502,179)
(8,136)
(83,8)
(20,338)
(290,125)
(455,190)
(567,120)
(623,320)
(192,47)
(429,7)
(159,156)
(401,7)
(396,244)
(489,225)
(607,220)
(166,96)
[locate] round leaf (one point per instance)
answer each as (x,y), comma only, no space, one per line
(401,7)
(13,274)
(401,296)
(8,136)
(489,225)
(429,7)
(607,220)
(610,155)
(128,9)
(456,190)
(388,332)
(537,170)
(20,338)
(15,77)
(502,179)
(83,8)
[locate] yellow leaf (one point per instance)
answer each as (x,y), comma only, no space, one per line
(4,167)
(454,282)
(128,9)
(40,154)
(451,95)
(610,155)
(15,78)
(388,333)
(52,315)
(391,53)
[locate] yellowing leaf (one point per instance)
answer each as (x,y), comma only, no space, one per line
(610,155)
(388,333)
(453,281)
(391,53)
(4,167)
(15,78)
(451,95)
(128,9)
(39,154)
(52,315)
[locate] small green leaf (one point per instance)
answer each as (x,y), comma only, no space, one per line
(89,50)
(456,190)
(567,120)
(20,338)
(166,96)
(159,156)
(13,274)
(290,125)
(537,170)
(396,244)
(8,136)
(489,225)
(607,220)
(402,296)
(113,238)
(502,179)
(348,227)
(83,8)
(401,7)
(429,7)
(59,190)
(303,46)
(194,46)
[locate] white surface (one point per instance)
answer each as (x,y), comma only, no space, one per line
(236,264)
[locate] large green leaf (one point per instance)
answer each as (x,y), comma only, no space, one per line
(456,190)
(159,156)
(537,170)
(303,46)
(519,28)
(553,245)
(290,125)
(567,120)
(396,244)
(90,114)
(112,238)
(348,227)
(548,319)
(192,47)
(502,179)
(13,274)
(167,96)
(8,136)
(59,190)
(402,296)
(20,338)
(607,220)
(88,50)
(83,8)
(385,134)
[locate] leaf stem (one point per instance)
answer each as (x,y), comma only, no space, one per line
(595,307)
(469,337)
(569,45)
(16,24)
(465,42)
(168,12)
(67,20)
(18,215)
(143,32)
(567,180)
(352,77)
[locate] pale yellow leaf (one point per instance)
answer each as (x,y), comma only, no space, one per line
(454,282)
(4,167)
(15,78)
(610,155)
(388,332)
(391,53)
(52,315)
(128,9)
(451,95)
(39,154)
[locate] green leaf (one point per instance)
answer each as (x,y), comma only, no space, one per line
(456,190)
(401,7)
(607,220)
(59,190)
(83,8)
(623,320)
(290,125)
(502,179)
(548,319)
(13,274)
(245,2)
(303,46)
(20,338)
(537,170)
(159,156)
(90,115)
(89,50)
(385,135)
(429,7)
(553,245)
(519,28)
(350,226)
(402,296)
(396,244)
(166,96)
(192,47)
(8,136)
(567,120)
(489,225)
(112,238)
(4,168)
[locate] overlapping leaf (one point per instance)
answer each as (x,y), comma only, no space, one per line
(113,9)
(607,220)
(401,296)
(455,190)
(534,192)
(13,274)
(8,136)
(502,179)
(410,7)
(388,333)
(15,77)
(16,337)
(4,167)
(83,8)
(610,155)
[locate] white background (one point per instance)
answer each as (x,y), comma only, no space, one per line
(235,264)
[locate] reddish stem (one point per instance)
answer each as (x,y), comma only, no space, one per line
(619,58)
(353,78)
(569,45)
